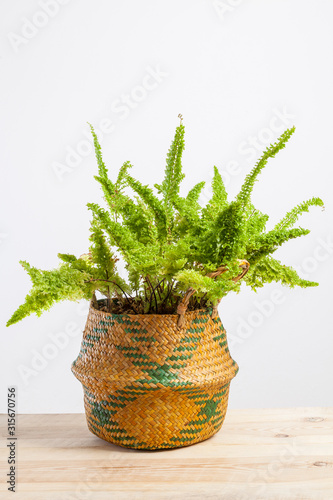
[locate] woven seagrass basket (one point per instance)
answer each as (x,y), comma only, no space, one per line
(149,384)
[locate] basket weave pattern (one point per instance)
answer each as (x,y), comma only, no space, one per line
(150,385)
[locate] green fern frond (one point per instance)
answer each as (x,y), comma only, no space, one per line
(66,257)
(102,170)
(173,170)
(169,243)
(291,217)
(119,235)
(172,178)
(122,175)
(108,189)
(218,200)
(100,251)
(270,241)
(139,218)
(152,202)
(188,210)
(255,222)
(194,193)
(271,151)
(214,289)
(50,287)
(268,270)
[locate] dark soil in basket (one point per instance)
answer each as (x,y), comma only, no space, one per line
(137,306)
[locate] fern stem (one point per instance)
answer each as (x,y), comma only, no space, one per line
(127,297)
(152,293)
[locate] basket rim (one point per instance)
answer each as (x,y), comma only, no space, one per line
(175,315)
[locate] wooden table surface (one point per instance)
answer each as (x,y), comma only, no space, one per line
(258,454)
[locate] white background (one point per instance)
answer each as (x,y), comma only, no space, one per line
(240,74)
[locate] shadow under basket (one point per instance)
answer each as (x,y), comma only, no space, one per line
(151,385)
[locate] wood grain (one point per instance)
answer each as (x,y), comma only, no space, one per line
(279,454)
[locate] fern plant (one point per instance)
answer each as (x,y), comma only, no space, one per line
(175,251)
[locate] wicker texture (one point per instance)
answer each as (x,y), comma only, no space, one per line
(150,385)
